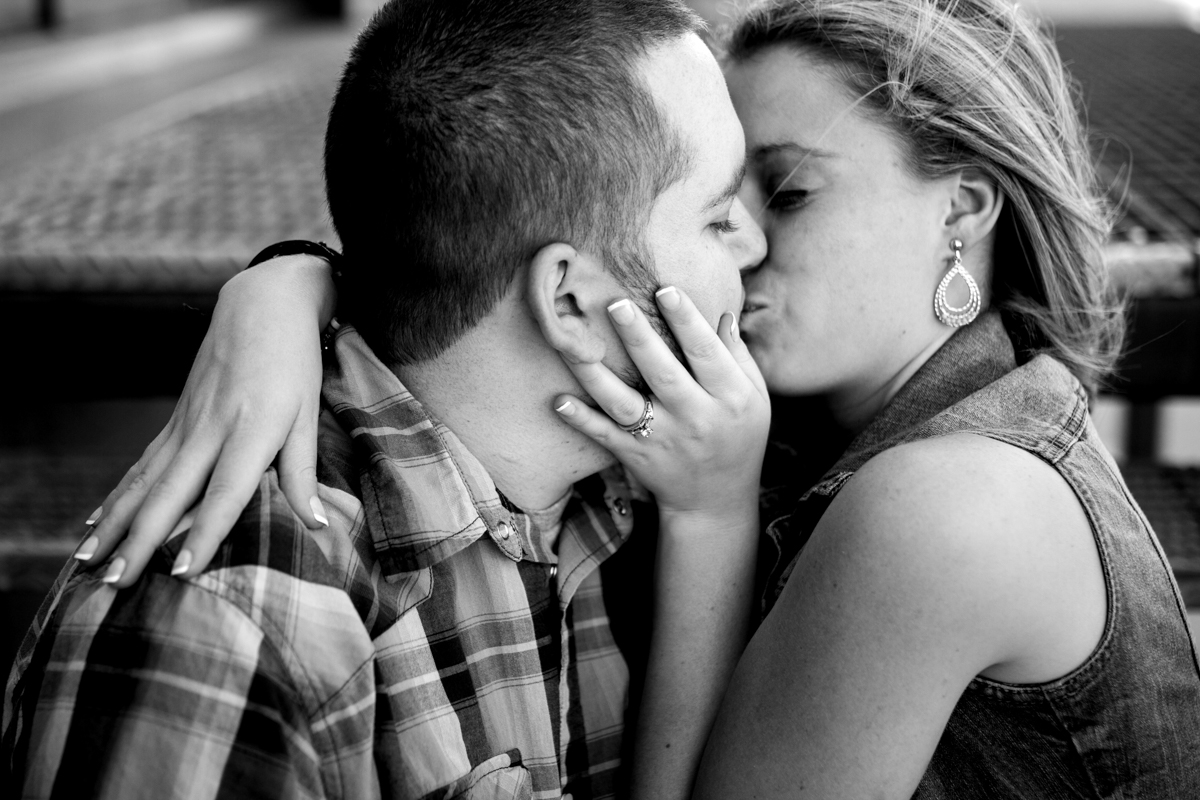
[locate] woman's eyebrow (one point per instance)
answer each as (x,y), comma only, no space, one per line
(731,189)
(765,151)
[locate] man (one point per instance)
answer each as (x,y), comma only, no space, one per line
(499,172)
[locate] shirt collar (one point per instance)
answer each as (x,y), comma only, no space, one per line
(425,496)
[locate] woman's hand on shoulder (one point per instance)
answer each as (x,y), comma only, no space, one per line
(938,561)
(253,392)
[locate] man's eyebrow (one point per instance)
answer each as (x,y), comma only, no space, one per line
(765,151)
(730,191)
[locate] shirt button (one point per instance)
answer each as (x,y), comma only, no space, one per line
(620,507)
(504,530)
(553,571)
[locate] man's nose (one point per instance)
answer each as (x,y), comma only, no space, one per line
(750,247)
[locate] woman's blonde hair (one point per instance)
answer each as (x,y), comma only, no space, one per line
(976,84)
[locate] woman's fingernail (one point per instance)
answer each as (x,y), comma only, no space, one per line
(318,510)
(115,570)
(182,562)
(566,409)
(733,328)
(88,549)
(668,297)
(622,312)
(95,517)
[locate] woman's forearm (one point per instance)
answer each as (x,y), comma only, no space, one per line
(300,283)
(703,597)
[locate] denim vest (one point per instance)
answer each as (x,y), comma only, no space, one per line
(1125,724)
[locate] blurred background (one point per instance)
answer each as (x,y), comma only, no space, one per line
(148,148)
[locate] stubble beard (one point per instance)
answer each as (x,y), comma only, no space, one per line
(641,281)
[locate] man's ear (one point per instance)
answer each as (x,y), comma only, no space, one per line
(562,291)
(974,208)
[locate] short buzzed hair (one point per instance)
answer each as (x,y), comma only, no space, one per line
(468,134)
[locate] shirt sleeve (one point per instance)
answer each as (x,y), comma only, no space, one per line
(160,690)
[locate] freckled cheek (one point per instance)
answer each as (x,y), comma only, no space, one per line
(812,267)
(850,256)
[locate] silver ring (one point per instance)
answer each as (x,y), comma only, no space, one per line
(642,426)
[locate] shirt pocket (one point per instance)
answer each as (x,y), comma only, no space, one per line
(499,778)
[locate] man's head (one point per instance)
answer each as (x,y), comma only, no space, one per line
(697,234)
(466,135)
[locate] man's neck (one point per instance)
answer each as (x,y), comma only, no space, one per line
(489,401)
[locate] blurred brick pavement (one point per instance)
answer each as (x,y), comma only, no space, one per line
(177,196)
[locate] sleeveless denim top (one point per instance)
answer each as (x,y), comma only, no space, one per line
(1125,724)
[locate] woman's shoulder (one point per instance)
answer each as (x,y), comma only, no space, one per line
(961,483)
(988,526)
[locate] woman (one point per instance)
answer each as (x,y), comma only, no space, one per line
(968,603)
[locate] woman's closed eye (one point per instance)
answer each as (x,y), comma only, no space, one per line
(787,199)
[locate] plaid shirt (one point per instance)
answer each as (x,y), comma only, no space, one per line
(430,643)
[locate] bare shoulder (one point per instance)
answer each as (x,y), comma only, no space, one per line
(936,563)
(992,529)
(966,486)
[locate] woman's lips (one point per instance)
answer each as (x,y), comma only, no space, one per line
(747,320)
(749,306)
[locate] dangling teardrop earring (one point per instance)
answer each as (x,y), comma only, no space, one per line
(946,313)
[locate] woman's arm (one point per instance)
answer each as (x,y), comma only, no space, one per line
(253,392)
(703,598)
(702,463)
(938,561)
